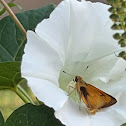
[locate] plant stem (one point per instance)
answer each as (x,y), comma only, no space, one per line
(13,17)
(23,95)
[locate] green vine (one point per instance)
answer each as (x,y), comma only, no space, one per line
(118,16)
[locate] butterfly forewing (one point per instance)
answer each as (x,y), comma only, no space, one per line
(94,98)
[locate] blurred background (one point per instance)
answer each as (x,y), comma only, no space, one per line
(32,4)
(9,101)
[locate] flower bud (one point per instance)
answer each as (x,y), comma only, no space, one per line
(123,55)
(112,2)
(112,9)
(117,27)
(122,42)
(117,36)
(115,17)
(121,10)
(124,35)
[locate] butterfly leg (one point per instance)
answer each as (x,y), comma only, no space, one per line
(93,112)
(79,101)
(71,91)
(99,109)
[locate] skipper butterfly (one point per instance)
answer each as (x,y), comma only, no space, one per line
(94,98)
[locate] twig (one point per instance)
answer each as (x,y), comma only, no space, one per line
(13,17)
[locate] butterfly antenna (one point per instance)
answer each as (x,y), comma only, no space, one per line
(67,73)
(86,68)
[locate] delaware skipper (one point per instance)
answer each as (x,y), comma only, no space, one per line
(94,98)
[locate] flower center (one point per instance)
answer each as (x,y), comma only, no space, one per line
(94,75)
(65,78)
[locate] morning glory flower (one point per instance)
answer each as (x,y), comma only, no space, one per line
(76,35)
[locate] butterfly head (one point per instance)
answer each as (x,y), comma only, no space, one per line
(77,79)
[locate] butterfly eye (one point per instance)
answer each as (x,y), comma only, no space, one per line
(76,79)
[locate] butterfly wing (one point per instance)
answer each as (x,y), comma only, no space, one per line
(95,98)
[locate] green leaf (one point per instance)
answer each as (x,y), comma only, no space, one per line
(12,40)
(12,43)
(31,115)
(1,120)
(123,124)
(2,11)
(10,74)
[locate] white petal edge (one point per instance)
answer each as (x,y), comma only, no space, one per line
(70,115)
(40,60)
(47,92)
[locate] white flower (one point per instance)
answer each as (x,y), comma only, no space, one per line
(76,35)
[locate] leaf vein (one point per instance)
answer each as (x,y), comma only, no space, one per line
(6,51)
(5,78)
(18,49)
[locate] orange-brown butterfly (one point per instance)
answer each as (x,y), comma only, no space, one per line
(94,98)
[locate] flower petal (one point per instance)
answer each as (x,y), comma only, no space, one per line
(40,60)
(103,41)
(110,118)
(100,68)
(121,108)
(66,31)
(70,115)
(55,30)
(105,69)
(40,69)
(81,31)
(90,37)
(118,70)
(47,92)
